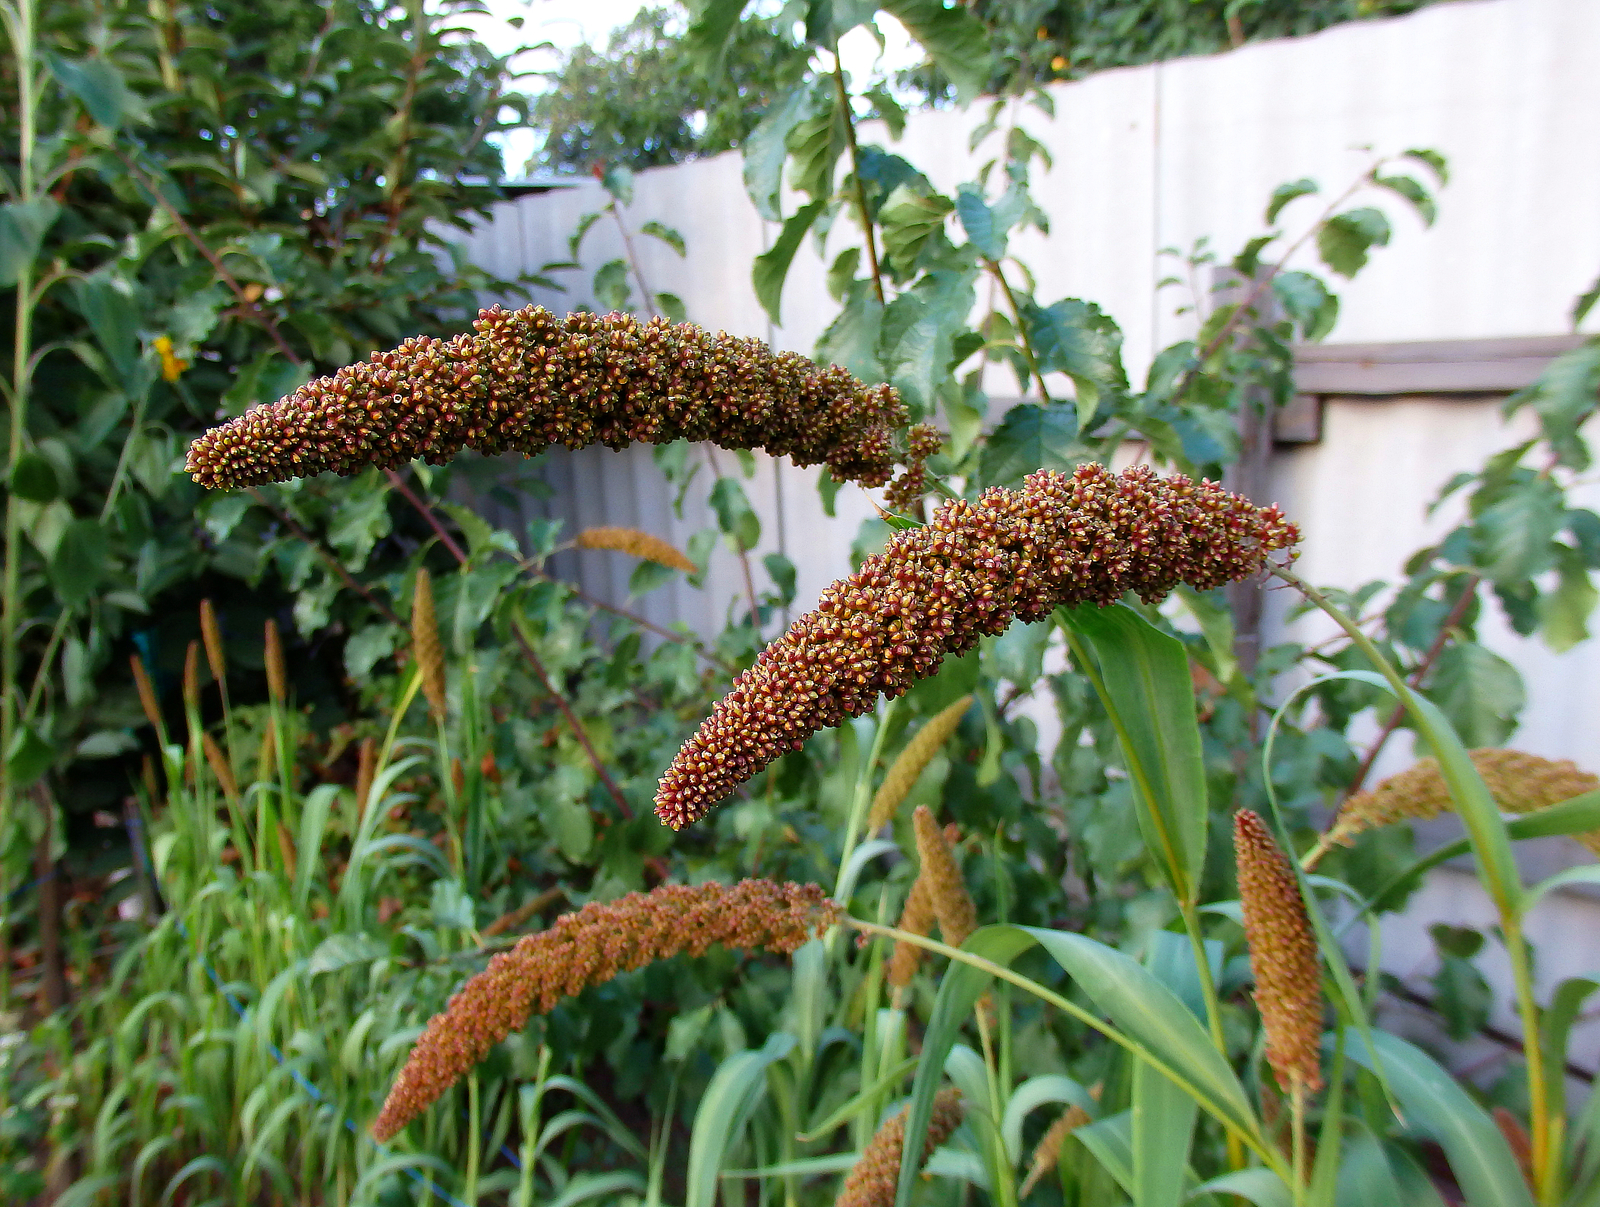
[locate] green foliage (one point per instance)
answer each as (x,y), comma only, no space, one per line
(644,101)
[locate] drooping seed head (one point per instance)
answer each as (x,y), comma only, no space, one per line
(873,1179)
(638,544)
(1087,537)
(587,948)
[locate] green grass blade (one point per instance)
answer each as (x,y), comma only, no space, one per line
(1261,1186)
(1034,1093)
(1144,683)
(1163,1128)
(1433,1102)
(735,1088)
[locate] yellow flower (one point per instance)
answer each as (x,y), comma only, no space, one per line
(172,367)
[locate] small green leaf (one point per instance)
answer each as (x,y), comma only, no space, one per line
(79,562)
(1285,193)
(1435,161)
(30,757)
(1345,239)
(1079,339)
(955,40)
(617,180)
(1564,613)
(1515,536)
(766,149)
(23,225)
(667,235)
(671,306)
(1031,437)
(1409,188)
(1307,301)
(978,220)
(851,340)
(771,267)
(98,85)
(735,516)
(783,574)
(611,290)
(34,478)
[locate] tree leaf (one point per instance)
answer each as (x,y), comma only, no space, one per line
(1478,691)
(1515,536)
(1345,239)
(34,478)
(1564,397)
(617,180)
(1079,339)
(955,40)
(30,757)
(1564,613)
(734,513)
(79,561)
(611,290)
(1287,192)
(909,218)
(98,85)
(978,220)
(772,266)
(668,235)
(1031,437)
(767,148)
(1307,301)
(919,330)
(1435,161)
(1411,189)
(851,340)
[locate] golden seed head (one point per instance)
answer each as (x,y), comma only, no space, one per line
(1048,1154)
(268,752)
(952,904)
(917,919)
(147,693)
(587,948)
(1519,783)
(912,761)
(636,544)
(425,646)
(366,768)
(1085,537)
(277,675)
(211,633)
(873,1179)
(1283,955)
(220,767)
(191,676)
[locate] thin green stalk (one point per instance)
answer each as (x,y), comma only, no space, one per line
(474,1132)
(1005,1185)
(19,19)
(1297,1142)
(1028,351)
(843,95)
(863,797)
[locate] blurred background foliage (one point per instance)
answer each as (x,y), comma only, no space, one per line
(231,905)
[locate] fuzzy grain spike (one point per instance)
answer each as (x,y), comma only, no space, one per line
(918,753)
(1048,1153)
(524,380)
(947,891)
(638,544)
(1087,537)
(425,646)
(873,1179)
(587,948)
(1283,955)
(1518,781)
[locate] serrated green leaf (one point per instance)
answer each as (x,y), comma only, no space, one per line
(909,218)
(766,149)
(1031,437)
(978,220)
(671,306)
(771,267)
(1478,691)
(342,950)
(735,516)
(1515,536)
(919,330)
(668,235)
(1079,339)
(851,340)
(1564,613)
(1411,189)
(955,40)
(1345,239)
(1565,396)
(1285,193)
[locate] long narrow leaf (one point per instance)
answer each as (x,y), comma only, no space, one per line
(735,1087)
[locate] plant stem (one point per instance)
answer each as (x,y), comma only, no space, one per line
(1028,350)
(1297,1133)
(848,117)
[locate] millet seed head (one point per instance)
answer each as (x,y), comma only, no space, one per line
(1088,536)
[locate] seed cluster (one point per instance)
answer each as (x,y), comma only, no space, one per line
(952,904)
(1283,955)
(917,917)
(1089,536)
(873,1180)
(524,380)
(590,947)
(1519,783)
(1048,1154)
